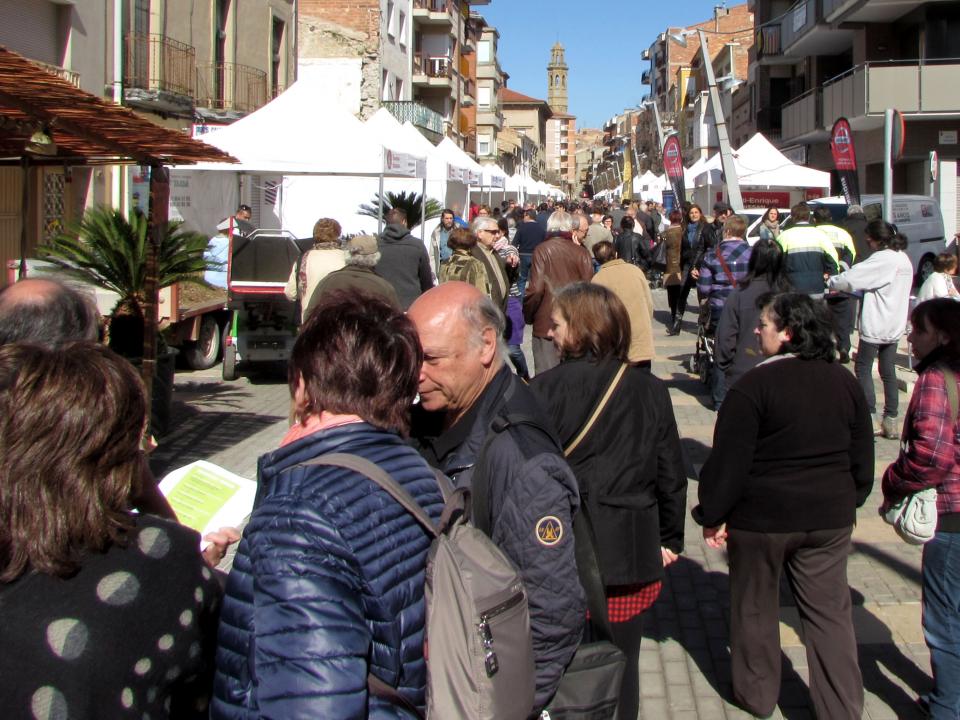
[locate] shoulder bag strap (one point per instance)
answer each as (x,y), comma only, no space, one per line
(950,380)
(568,450)
(588,570)
(375,473)
(726,268)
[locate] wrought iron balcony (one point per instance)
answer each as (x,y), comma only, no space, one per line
(418,115)
(231,87)
(158,64)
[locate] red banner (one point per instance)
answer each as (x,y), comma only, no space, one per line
(845,160)
(673,166)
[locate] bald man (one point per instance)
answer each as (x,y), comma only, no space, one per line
(479,423)
(46,312)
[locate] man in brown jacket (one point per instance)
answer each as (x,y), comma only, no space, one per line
(557,261)
(628,283)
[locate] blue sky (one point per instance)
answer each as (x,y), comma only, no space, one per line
(603,42)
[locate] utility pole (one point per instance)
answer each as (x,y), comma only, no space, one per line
(726,154)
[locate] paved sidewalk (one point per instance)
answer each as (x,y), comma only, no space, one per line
(684,663)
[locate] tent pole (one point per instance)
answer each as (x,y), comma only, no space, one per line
(24,214)
(380,208)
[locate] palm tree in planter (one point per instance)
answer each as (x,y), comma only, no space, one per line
(109,251)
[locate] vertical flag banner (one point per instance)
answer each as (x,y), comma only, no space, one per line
(627,193)
(845,160)
(673,165)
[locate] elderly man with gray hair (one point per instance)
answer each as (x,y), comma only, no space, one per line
(556,262)
(500,274)
(361,255)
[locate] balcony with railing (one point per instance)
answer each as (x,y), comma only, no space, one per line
(432,69)
(910,86)
(434,12)
(158,73)
(427,121)
(231,88)
(69,75)
(804,31)
(767,44)
(802,116)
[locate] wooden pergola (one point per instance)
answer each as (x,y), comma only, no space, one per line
(37,106)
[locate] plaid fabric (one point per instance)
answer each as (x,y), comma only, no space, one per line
(625,602)
(930,453)
(713,283)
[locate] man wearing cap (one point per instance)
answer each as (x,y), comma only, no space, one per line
(721,211)
(361,254)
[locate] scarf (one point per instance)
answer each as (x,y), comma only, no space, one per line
(773,226)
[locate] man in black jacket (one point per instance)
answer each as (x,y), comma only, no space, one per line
(479,423)
(404,262)
(529,234)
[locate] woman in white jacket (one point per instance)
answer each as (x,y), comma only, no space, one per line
(883,281)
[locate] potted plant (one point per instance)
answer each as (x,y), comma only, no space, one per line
(109,250)
(411,203)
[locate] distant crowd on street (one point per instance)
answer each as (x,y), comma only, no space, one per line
(432,478)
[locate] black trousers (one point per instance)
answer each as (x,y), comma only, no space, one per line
(843,309)
(816,567)
(673,299)
(627,636)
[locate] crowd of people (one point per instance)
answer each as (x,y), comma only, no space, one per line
(409,356)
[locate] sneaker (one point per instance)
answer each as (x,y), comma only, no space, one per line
(888,428)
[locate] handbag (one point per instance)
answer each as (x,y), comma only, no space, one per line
(660,254)
(590,686)
(915,516)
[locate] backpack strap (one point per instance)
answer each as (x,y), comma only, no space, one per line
(378,688)
(378,475)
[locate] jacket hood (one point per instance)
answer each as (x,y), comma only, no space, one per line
(394,233)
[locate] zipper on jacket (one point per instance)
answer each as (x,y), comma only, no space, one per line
(510,602)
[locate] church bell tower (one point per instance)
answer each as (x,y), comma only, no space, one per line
(557,80)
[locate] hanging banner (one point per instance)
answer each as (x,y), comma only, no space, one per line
(673,165)
(498,181)
(455,174)
(627,193)
(396,163)
(845,160)
(472,177)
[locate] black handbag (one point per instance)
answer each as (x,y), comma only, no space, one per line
(660,255)
(590,686)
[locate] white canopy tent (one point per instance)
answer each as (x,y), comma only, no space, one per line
(302,159)
(761,165)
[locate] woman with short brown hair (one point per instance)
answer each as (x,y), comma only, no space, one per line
(628,465)
(105,613)
(462,265)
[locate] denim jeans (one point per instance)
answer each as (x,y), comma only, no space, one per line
(866,354)
(941,622)
(525,261)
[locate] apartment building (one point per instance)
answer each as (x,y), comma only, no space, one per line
(818,60)
(528,117)
(489,79)
(178,62)
(730,66)
(673,80)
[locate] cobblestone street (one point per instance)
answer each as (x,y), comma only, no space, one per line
(684,663)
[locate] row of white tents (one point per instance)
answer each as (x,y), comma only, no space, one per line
(759,165)
(302,158)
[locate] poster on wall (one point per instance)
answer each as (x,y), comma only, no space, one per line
(845,160)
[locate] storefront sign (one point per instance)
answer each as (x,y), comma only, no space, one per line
(948,137)
(764,199)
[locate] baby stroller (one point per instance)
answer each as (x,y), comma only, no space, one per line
(701,362)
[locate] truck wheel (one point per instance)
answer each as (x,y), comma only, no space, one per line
(230,363)
(203,354)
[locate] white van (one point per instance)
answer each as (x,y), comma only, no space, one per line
(918,217)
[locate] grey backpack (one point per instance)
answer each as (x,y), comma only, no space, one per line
(478,647)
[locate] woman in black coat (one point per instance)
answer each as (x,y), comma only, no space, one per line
(697,237)
(628,466)
(736,340)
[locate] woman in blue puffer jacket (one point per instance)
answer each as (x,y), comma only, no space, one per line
(327,584)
